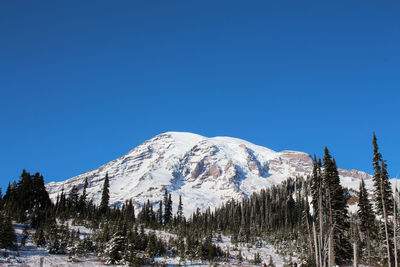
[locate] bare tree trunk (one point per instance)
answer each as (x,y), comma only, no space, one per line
(317,250)
(310,240)
(369,248)
(355,254)
(326,247)
(329,251)
(321,227)
(331,254)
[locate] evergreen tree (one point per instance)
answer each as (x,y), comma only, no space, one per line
(167,207)
(317,202)
(84,246)
(41,198)
(382,189)
(160,213)
(23,196)
(151,248)
(366,217)
(82,199)
(190,247)
(1,199)
(73,198)
(316,185)
(383,195)
(9,196)
(179,213)
(61,204)
(27,199)
(129,212)
(340,247)
(152,216)
(56,239)
(25,235)
(115,248)
(39,238)
(8,238)
(105,197)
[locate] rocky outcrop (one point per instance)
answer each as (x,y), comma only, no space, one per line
(354,174)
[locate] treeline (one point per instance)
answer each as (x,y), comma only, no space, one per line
(306,217)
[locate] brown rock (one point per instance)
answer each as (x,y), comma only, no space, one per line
(214,171)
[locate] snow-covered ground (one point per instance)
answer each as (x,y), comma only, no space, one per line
(35,257)
(83,231)
(30,255)
(247,251)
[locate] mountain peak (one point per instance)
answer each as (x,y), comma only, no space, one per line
(204,171)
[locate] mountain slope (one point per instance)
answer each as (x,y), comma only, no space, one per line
(204,171)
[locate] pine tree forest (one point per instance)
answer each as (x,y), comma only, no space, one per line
(306,217)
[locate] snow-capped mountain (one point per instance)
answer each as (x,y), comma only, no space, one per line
(204,171)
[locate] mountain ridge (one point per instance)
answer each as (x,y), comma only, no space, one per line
(205,171)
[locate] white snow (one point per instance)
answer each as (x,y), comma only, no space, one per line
(31,255)
(247,250)
(206,172)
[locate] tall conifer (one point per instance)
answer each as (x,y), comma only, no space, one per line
(366,217)
(167,207)
(316,184)
(317,194)
(160,213)
(340,247)
(105,197)
(382,188)
(179,213)
(82,198)
(383,194)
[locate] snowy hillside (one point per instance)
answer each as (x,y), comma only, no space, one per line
(204,171)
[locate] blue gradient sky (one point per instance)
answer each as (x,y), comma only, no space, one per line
(83,82)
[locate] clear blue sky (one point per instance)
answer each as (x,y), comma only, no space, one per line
(83,82)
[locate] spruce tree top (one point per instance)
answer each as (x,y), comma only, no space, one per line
(105,197)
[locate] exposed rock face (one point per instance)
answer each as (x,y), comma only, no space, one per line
(204,171)
(354,174)
(214,171)
(292,163)
(197,170)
